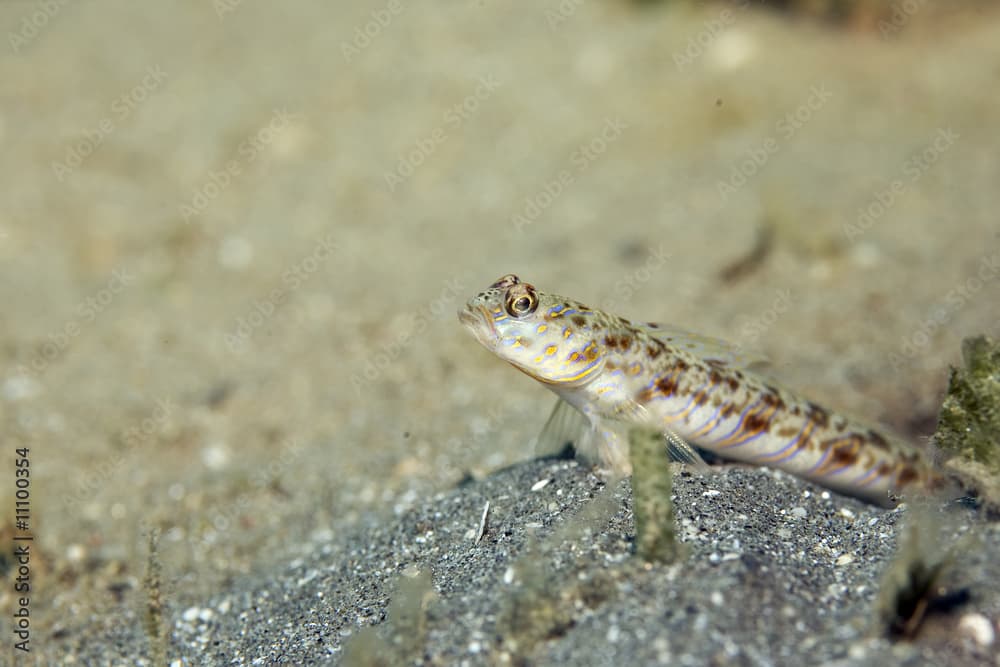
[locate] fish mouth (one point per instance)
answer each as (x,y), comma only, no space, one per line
(480,325)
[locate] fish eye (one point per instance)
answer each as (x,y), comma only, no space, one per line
(521,303)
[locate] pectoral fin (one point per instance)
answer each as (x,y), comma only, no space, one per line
(565,428)
(603,440)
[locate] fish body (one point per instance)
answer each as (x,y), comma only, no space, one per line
(621,375)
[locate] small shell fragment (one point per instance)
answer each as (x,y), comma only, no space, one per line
(483,522)
(540,484)
(978,628)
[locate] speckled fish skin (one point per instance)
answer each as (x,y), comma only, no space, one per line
(616,372)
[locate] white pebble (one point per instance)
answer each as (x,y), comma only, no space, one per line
(191,614)
(508,575)
(978,628)
(845,559)
(799,512)
(75,553)
(540,484)
(215,456)
(846,513)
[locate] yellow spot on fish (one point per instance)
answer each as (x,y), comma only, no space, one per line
(550,350)
(634,368)
(574,356)
(517,342)
(542,328)
(567,332)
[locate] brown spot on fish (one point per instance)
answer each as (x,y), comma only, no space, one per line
(787,431)
(772,399)
(579,320)
(666,385)
(818,414)
(756,422)
(906,475)
(700,397)
(653,351)
(877,440)
(796,410)
(845,454)
(727,410)
(733,384)
(714,378)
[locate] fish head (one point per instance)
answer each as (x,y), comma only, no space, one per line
(546,336)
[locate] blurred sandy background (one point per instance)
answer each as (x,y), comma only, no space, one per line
(234,235)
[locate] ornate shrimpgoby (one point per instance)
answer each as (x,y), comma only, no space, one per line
(693,389)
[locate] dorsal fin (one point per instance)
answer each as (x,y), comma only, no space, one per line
(705,347)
